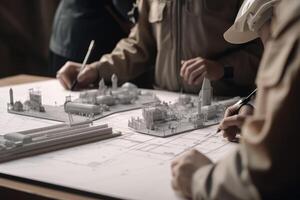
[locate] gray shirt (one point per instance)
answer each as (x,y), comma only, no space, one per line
(77,22)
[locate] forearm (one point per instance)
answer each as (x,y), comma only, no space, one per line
(261,167)
(275,124)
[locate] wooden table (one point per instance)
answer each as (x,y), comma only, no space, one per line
(21,79)
(13,188)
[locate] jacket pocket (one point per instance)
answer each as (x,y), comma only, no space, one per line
(161,22)
(156,12)
(274,62)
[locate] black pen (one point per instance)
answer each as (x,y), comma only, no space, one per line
(75,82)
(243,102)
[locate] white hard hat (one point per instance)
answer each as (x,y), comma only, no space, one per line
(252,15)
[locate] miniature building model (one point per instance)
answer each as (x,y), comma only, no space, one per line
(35,101)
(15,106)
(97,103)
(154,114)
(114,81)
(104,99)
(187,113)
(206,93)
(41,140)
(18,106)
(11,97)
(82,109)
(110,96)
(102,87)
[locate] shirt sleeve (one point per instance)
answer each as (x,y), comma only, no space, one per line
(132,55)
(244,61)
(266,164)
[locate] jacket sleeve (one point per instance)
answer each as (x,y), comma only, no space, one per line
(133,55)
(266,164)
(224,180)
(245,60)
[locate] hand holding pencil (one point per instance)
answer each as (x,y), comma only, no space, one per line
(74,75)
(235,117)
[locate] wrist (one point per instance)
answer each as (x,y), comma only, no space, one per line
(228,72)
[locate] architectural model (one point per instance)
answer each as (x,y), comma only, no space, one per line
(187,113)
(95,104)
(33,103)
(41,140)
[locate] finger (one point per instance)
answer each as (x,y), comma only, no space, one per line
(227,134)
(193,152)
(246,110)
(235,140)
(82,76)
(232,137)
(184,67)
(199,79)
(87,76)
(62,82)
(174,167)
(231,133)
(232,110)
(174,163)
(235,120)
(68,73)
(190,69)
(198,71)
(174,184)
(186,64)
(175,170)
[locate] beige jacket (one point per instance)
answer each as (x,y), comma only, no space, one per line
(167,33)
(267,164)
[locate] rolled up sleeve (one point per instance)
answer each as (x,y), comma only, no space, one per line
(132,55)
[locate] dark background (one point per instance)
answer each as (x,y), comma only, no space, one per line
(25,28)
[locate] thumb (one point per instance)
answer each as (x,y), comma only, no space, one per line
(82,76)
(232,110)
(232,121)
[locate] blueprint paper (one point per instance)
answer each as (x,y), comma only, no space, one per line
(132,166)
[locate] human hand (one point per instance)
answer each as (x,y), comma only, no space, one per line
(233,120)
(70,71)
(183,169)
(194,70)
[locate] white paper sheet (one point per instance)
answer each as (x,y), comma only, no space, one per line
(132,166)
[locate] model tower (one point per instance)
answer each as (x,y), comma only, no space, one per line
(11,97)
(206,92)
(114,81)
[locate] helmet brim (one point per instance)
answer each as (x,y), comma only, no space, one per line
(236,37)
